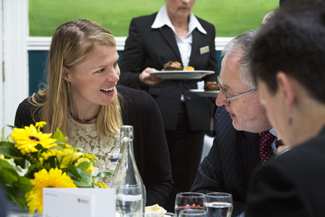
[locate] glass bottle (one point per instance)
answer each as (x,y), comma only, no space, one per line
(130,191)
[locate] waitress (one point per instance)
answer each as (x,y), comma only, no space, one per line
(174,33)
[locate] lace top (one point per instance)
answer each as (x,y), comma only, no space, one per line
(85,136)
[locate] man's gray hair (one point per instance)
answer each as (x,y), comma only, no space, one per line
(243,44)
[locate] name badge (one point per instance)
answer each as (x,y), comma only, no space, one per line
(204,50)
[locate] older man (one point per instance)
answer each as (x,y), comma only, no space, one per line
(241,128)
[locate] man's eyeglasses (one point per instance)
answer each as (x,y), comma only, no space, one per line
(233,97)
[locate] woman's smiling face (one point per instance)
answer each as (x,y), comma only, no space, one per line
(93,81)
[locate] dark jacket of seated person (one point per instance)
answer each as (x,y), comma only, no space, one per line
(231,160)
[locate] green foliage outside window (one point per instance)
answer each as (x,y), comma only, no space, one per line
(230,17)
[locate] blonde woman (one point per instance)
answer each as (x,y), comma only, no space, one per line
(83,100)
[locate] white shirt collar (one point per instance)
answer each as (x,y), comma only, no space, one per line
(273,132)
(162,19)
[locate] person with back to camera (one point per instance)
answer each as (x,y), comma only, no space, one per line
(287,61)
(83,100)
(173,34)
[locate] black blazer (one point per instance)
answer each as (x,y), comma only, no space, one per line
(232,158)
(147,47)
(291,185)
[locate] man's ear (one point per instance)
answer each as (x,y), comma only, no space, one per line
(288,90)
(65,74)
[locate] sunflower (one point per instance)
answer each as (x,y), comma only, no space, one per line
(27,138)
(43,179)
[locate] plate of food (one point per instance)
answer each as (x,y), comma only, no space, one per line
(156,211)
(204,93)
(211,89)
(174,70)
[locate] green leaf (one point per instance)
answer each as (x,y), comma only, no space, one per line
(12,127)
(39,147)
(86,181)
(72,172)
(58,135)
(25,184)
(8,149)
(8,174)
(83,165)
(80,149)
(80,177)
(31,171)
(17,196)
(51,162)
(103,174)
(3,138)
(61,144)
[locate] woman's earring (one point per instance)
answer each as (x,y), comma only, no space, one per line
(290,121)
(68,86)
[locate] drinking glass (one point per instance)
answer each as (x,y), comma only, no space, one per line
(142,214)
(193,213)
(218,204)
(189,200)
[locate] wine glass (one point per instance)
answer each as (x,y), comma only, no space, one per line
(189,200)
(193,213)
(218,204)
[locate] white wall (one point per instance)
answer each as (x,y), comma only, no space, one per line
(1,70)
(43,43)
(14,82)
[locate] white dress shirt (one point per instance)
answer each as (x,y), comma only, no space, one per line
(184,44)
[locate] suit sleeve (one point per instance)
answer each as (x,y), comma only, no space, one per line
(273,192)
(211,175)
(132,60)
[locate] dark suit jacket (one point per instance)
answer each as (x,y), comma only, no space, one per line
(232,158)
(291,185)
(147,47)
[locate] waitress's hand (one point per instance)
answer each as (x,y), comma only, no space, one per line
(149,79)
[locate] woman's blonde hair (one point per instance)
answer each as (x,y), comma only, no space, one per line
(70,44)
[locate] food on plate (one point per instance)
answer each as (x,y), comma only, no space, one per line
(172,66)
(211,86)
(189,68)
(155,209)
